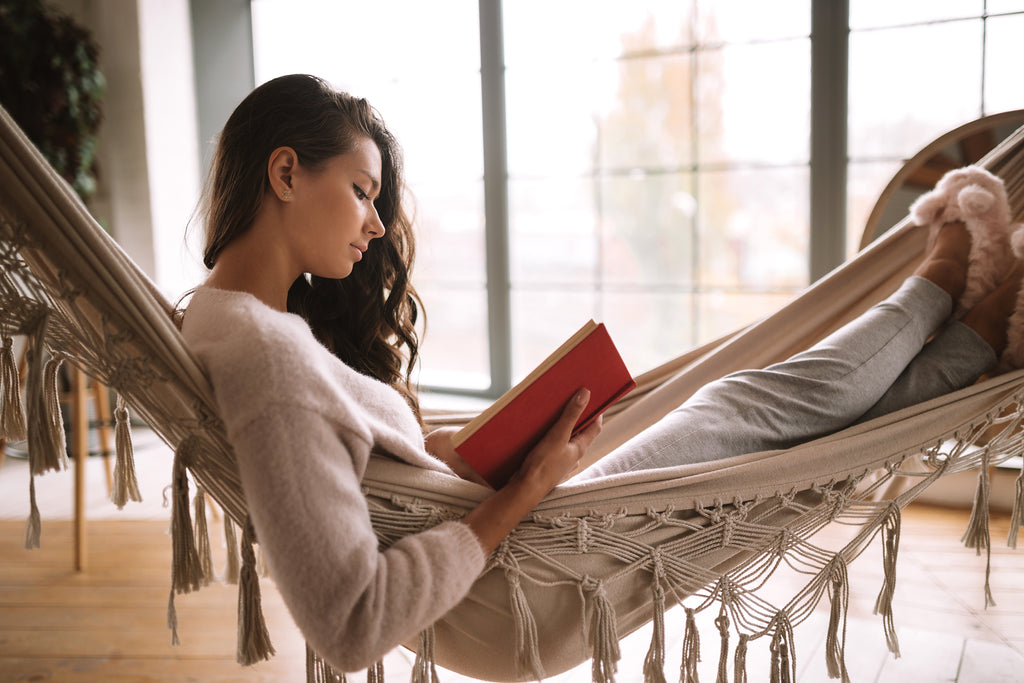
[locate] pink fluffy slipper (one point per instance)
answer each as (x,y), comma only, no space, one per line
(978,198)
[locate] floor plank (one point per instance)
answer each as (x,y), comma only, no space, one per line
(985,662)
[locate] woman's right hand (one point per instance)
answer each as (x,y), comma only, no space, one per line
(557,456)
(552,460)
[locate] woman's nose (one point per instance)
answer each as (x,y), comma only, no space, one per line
(374,226)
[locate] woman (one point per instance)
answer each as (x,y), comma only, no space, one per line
(306,329)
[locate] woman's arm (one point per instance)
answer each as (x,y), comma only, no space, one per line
(549,463)
(439,444)
(352,601)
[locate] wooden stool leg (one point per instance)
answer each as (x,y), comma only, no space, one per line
(80,439)
(104,420)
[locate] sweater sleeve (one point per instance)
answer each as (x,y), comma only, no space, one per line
(352,602)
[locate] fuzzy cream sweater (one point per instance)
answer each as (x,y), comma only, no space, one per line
(303,425)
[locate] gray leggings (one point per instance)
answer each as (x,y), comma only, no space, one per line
(876,364)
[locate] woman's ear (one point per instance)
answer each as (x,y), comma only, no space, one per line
(279,170)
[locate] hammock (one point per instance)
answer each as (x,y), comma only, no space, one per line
(595,560)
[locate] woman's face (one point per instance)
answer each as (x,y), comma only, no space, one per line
(335,218)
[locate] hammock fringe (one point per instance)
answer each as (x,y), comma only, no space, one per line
(202,536)
(125,485)
(319,671)
(253,638)
(740,660)
(232,565)
(722,622)
(835,640)
(603,633)
(186,574)
(978,534)
(33,526)
(890,551)
(424,670)
(172,619)
(654,662)
(783,664)
(13,425)
(527,646)
(691,650)
(1017,517)
(47,444)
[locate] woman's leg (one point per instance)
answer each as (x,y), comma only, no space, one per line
(964,351)
(956,358)
(813,393)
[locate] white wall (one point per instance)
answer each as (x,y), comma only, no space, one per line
(148,151)
(172,149)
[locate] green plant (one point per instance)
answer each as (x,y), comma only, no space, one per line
(51,84)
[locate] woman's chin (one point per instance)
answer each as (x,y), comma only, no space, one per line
(336,273)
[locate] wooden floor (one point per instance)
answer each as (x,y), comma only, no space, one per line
(108,623)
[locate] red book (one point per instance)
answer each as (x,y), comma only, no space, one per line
(498,439)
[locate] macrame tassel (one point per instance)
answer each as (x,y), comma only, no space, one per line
(890,550)
(691,650)
(319,671)
(1017,517)
(185,570)
(33,527)
(253,638)
(654,662)
(835,640)
(423,670)
(375,674)
(47,444)
(783,655)
(604,634)
(231,567)
(202,536)
(187,573)
(722,622)
(740,661)
(527,651)
(977,535)
(125,485)
(13,426)
(261,564)
(172,619)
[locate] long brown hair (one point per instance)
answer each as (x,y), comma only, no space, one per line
(367,319)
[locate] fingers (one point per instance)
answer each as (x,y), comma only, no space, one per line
(587,436)
(571,414)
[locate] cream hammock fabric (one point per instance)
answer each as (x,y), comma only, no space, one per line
(595,561)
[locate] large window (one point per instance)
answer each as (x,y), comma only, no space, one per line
(644,163)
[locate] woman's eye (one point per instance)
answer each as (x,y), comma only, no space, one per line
(359,192)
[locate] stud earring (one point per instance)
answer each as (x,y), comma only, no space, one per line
(287,194)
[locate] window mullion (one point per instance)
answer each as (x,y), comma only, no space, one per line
(830,38)
(496,223)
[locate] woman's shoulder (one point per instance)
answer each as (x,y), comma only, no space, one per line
(222,316)
(247,348)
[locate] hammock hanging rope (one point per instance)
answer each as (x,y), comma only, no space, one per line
(596,560)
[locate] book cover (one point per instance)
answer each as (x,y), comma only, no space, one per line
(496,441)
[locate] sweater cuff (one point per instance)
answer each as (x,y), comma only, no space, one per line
(468,546)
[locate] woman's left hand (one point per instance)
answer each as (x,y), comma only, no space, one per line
(439,445)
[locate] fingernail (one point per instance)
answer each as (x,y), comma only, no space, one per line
(582,396)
